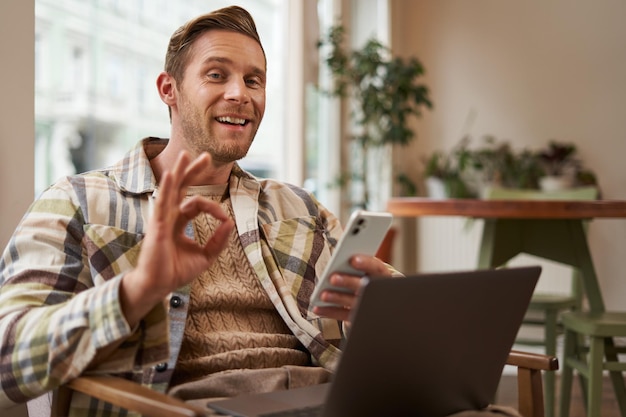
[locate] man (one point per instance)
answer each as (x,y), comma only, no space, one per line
(176,268)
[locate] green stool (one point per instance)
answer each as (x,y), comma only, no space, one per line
(589,349)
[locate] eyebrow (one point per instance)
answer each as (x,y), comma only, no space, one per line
(255,70)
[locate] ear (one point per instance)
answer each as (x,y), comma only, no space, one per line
(166,85)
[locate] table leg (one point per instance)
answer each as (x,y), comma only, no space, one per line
(563,241)
(500,242)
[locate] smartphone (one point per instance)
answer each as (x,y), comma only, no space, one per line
(363,234)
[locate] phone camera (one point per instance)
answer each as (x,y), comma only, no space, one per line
(359,224)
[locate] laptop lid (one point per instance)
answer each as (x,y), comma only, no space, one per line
(425,345)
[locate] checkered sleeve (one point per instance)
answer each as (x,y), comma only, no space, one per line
(59,301)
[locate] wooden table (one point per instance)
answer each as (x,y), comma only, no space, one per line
(551,229)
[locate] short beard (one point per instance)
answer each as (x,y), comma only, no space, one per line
(219,152)
(201,139)
(226,154)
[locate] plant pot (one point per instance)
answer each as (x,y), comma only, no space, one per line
(436,188)
(440,188)
(555,183)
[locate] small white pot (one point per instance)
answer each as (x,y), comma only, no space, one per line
(436,188)
(555,183)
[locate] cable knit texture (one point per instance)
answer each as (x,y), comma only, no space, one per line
(232,323)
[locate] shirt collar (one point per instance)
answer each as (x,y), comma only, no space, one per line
(133,173)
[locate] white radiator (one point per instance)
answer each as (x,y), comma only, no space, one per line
(451,243)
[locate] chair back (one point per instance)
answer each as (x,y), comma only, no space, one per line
(578,193)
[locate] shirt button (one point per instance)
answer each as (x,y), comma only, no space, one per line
(176,301)
(161,367)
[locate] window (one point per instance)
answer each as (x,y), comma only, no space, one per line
(95,72)
(323,121)
(325,129)
(97,62)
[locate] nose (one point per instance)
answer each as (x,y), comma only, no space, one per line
(236,91)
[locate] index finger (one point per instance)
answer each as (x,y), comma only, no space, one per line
(195,168)
(370,265)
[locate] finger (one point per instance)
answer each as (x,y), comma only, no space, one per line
(220,238)
(192,207)
(161,205)
(195,205)
(370,265)
(340,299)
(194,169)
(171,187)
(337,313)
(349,282)
(180,184)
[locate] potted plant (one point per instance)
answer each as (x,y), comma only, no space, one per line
(497,164)
(385,92)
(492,163)
(560,165)
(563,168)
(445,173)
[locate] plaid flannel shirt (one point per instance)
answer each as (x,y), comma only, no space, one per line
(60,313)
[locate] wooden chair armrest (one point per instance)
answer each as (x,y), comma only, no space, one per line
(529,360)
(529,384)
(133,396)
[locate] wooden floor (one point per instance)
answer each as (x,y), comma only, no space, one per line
(507,395)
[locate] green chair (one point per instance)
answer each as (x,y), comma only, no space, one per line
(589,348)
(545,309)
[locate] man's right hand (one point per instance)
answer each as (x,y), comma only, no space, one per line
(168,258)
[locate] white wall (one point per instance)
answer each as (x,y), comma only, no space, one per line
(17,130)
(528,72)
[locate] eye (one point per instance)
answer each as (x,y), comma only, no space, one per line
(215,75)
(254,82)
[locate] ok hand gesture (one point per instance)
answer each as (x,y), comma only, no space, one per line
(169,259)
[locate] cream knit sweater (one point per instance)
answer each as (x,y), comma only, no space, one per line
(232,324)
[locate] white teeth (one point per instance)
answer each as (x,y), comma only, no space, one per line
(232,120)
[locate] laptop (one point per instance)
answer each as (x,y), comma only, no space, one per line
(425,345)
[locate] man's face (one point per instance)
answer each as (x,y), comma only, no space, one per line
(221,99)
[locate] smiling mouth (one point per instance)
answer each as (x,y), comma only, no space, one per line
(232,121)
